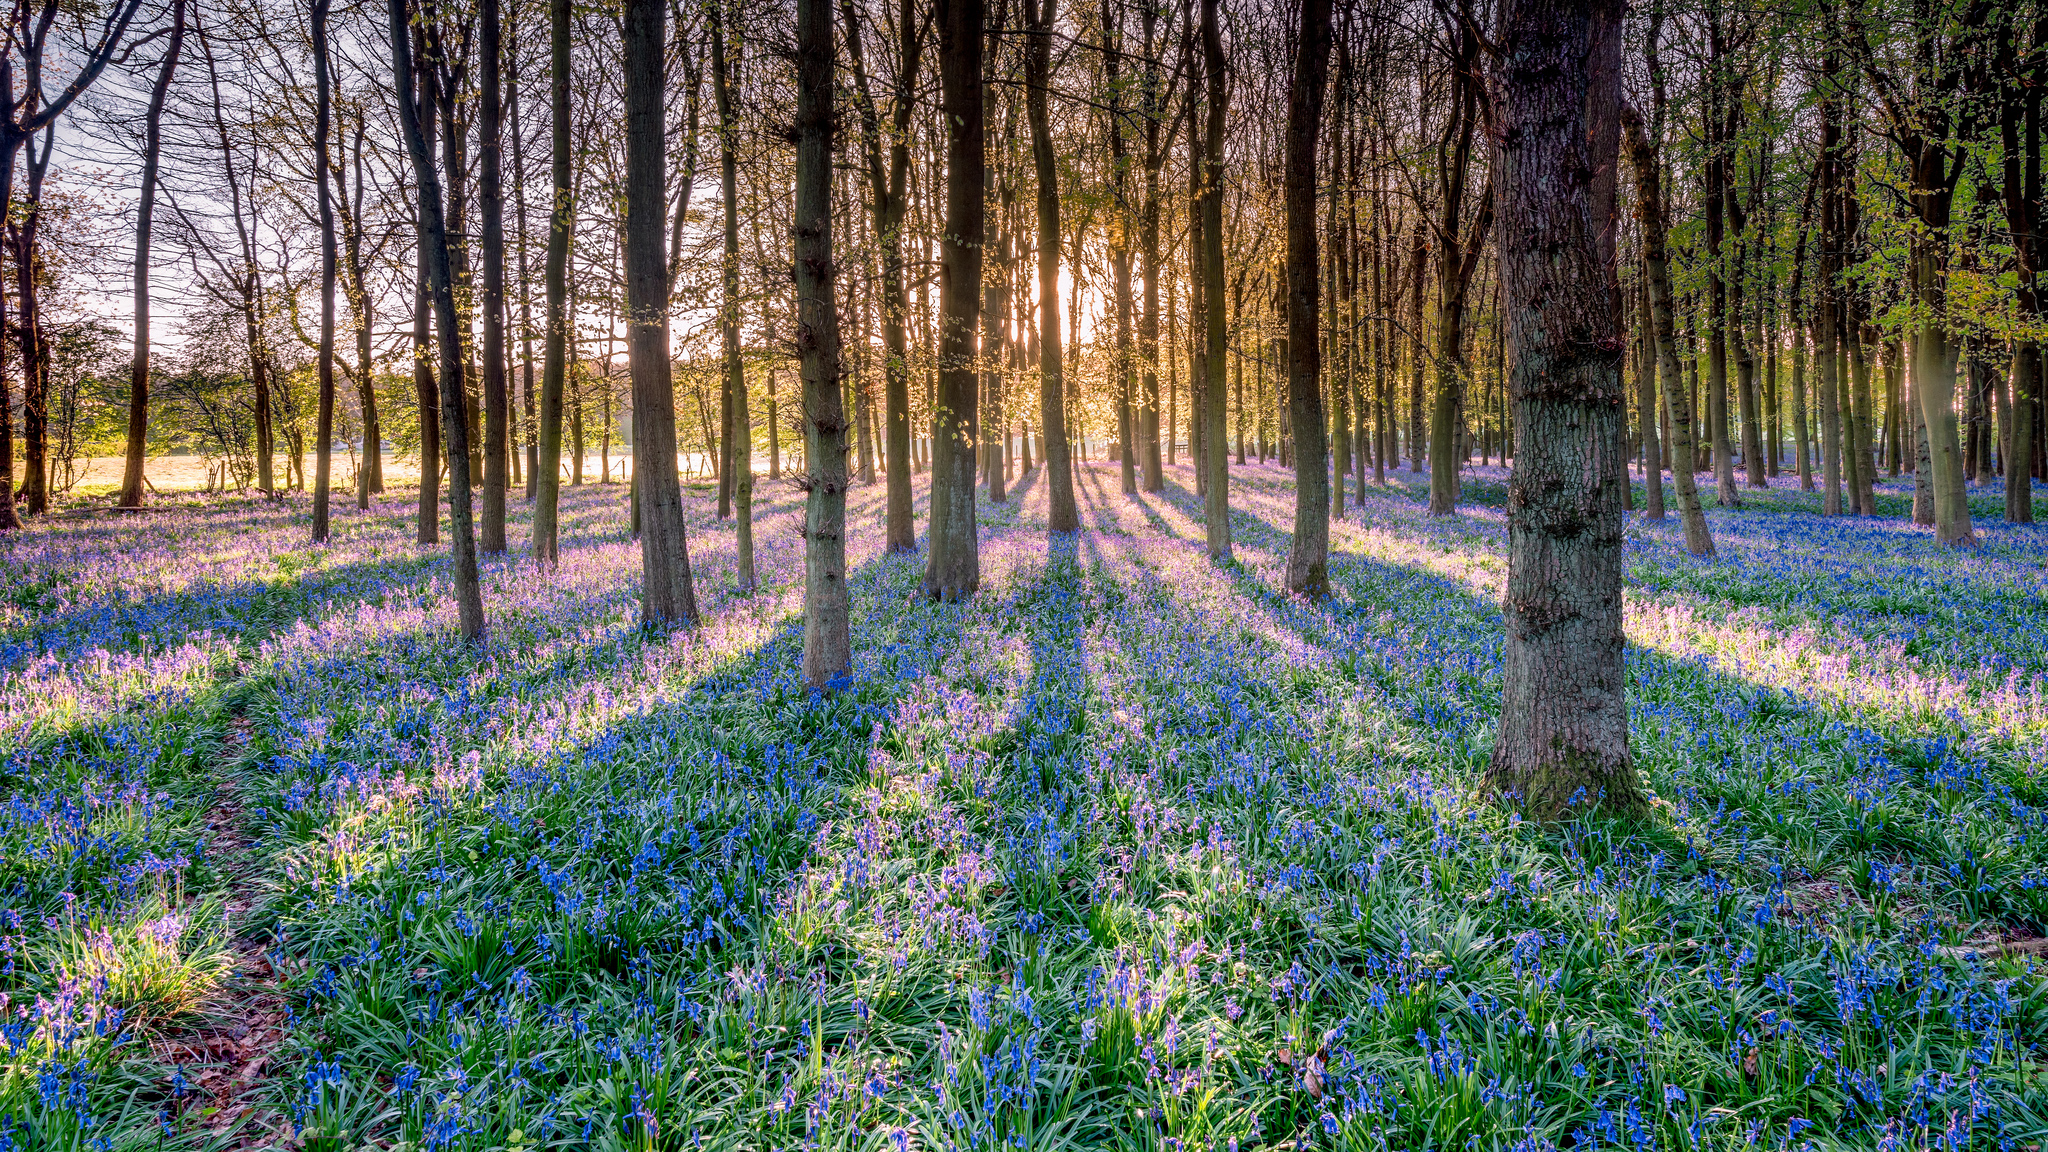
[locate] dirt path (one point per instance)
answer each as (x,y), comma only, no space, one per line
(226,1056)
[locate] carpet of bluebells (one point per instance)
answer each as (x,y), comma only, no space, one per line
(1126,852)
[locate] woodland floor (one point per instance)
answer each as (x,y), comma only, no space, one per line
(1126,852)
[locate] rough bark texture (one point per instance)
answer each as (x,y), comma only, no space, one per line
(953,565)
(441,287)
(667,596)
(1308,556)
(828,650)
(1563,737)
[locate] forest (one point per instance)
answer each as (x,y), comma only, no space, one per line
(1210,575)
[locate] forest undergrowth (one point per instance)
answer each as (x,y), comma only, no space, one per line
(1125,852)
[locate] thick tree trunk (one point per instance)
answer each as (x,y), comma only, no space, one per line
(145,214)
(1563,736)
(953,567)
(547,470)
(1308,556)
(440,283)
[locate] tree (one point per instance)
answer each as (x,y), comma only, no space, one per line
(145,217)
(1929,127)
(667,594)
(1563,737)
(1214,461)
(1662,332)
(441,287)
(490,298)
(1457,258)
(732,378)
(1308,557)
(330,261)
(26,111)
(561,223)
(828,646)
(889,200)
(953,566)
(1061,515)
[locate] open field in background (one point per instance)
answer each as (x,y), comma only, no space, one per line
(1127,852)
(101,475)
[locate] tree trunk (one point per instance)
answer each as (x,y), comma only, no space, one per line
(526,390)
(887,185)
(728,309)
(828,654)
(440,284)
(1061,514)
(490,298)
(1923,464)
(1215,462)
(2026,382)
(1308,556)
(330,267)
(547,470)
(1646,392)
(1642,155)
(668,596)
(145,212)
(953,567)
(1563,736)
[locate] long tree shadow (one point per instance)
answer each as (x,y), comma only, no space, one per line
(1432,650)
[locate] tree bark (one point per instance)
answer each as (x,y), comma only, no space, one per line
(729,298)
(668,596)
(1061,514)
(440,284)
(1646,392)
(1642,155)
(1215,461)
(145,214)
(953,567)
(330,267)
(490,297)
(1563,737)
(828,654)
(1308,555)
(547,469)
(887,183)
